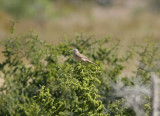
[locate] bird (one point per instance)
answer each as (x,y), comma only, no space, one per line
(80,57)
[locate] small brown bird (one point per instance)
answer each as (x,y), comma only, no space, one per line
(80,57)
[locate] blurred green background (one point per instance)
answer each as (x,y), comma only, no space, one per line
(127,20)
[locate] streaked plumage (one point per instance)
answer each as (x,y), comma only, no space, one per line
(80,57)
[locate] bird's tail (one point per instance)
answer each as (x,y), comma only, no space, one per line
(92,62)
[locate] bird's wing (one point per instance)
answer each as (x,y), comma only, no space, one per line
(81,56)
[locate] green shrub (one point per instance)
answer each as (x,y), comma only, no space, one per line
(30,64)
(42,79)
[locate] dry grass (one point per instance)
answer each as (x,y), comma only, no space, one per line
(127,22)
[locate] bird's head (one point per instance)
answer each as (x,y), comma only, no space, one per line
(74,50)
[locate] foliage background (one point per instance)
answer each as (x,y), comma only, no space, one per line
(127,20)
